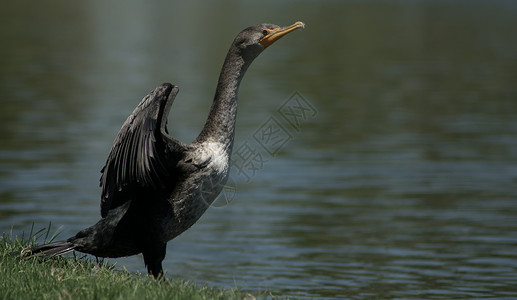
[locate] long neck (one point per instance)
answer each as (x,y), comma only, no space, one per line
(220,125)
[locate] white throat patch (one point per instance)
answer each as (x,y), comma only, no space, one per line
(217,154)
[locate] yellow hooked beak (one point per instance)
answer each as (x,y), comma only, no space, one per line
(273,35)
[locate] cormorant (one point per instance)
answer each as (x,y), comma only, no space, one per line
(155,187)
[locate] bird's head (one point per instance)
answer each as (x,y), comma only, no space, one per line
(253,40)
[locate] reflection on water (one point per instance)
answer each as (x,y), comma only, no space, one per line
(402,185)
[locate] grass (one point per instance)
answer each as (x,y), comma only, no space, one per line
(73,278)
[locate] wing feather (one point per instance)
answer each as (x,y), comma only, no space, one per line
(136,158)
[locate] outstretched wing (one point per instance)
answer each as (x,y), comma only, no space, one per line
(137,157)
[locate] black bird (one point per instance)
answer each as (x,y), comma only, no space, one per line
(155,187)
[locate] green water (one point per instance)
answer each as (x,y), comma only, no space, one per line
(395,179)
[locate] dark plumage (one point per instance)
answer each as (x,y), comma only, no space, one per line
(155,187)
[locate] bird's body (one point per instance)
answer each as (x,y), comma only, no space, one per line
(155,187)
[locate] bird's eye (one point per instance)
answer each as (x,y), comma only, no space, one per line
(265,32)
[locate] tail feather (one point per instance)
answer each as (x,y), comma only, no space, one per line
(52,249)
